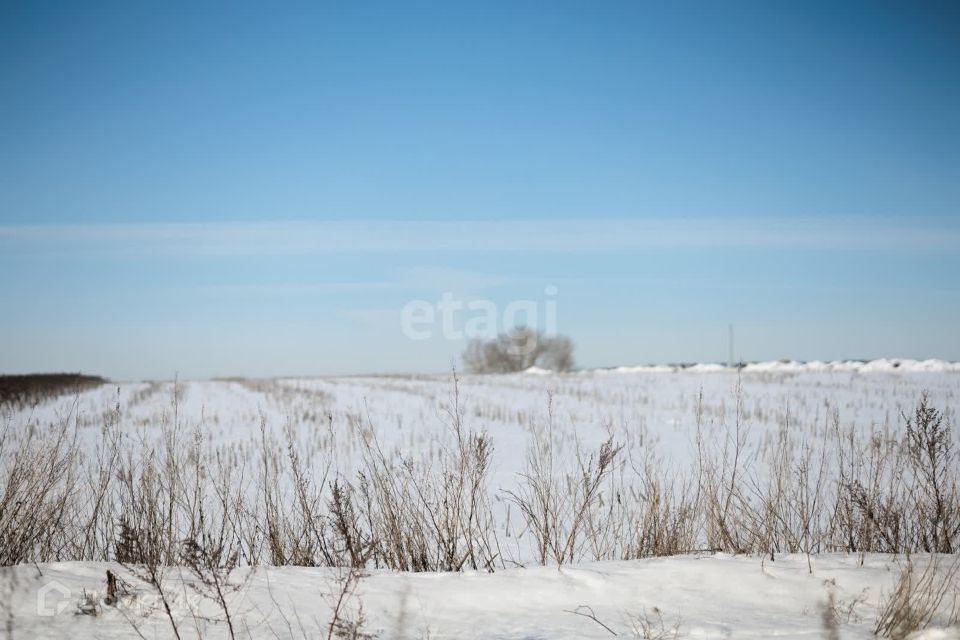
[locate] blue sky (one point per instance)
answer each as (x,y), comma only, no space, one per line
(260,189)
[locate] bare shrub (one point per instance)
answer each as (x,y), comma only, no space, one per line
(204,557)
(556,502)
(929,447)
(430,515)
(902,495)
(652,626)
(347,620)
(295,527)
(39,493)
(918,597)
(99,526)
(356,543)
(721,476)
(661,511)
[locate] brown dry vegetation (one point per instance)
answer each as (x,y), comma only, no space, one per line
(33,387)
(157,502)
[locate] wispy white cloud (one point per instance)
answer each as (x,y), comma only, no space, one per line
(427,279)
(565,235)
(287,288)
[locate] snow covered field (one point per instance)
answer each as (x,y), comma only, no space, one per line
(647,407)
(661,417)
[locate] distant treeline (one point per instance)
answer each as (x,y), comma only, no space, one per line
(23,389)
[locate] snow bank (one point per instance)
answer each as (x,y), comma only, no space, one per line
(710,596)
(706,368)
(883,365)
(653,368)
(537,371)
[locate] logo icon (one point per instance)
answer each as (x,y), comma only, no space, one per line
(53,599)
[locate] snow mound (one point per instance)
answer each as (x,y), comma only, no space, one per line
(882,365)
(654,368)
(537,371)
(706,368)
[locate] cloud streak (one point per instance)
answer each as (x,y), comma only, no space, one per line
(402,236)
(407,279)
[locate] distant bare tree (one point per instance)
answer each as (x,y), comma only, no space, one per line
(557,354)
(518,350)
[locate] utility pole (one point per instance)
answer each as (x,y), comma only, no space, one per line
(730,360)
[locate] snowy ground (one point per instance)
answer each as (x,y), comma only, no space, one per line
(650,409)
(711,596)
